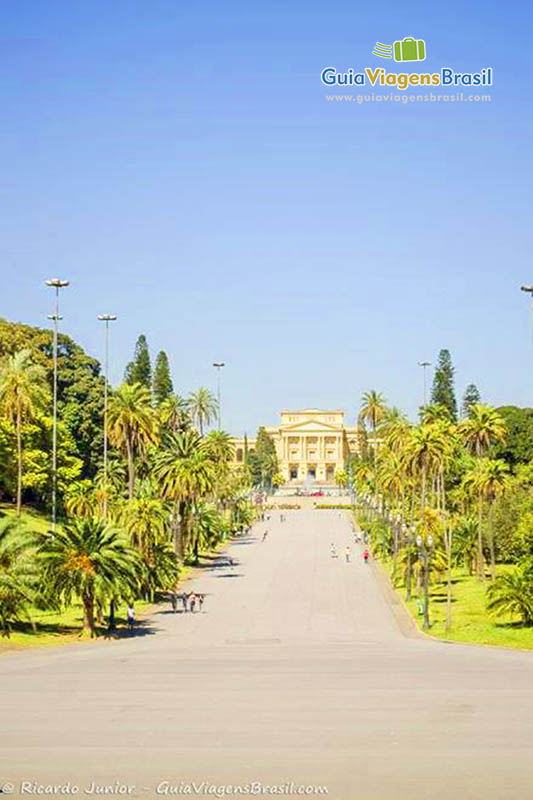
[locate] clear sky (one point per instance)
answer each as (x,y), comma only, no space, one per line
(180,165)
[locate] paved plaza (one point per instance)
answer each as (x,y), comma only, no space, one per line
(299,670)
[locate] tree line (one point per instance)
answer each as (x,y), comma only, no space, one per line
(450,490)
(169,490)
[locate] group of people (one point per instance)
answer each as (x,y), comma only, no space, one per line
(348,553)
(190,601)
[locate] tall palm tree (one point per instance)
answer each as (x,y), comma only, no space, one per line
(483,428)
(492,482)
(373,411)
(186,474)
(90,560)
(22,392)
(425,451)
(174,413)
(373,408)
(132,425)
(203,408)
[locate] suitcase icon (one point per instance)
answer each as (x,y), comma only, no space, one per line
(410,49)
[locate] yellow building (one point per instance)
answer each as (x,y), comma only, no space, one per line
(311,445)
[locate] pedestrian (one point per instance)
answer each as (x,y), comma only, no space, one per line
(201,598)
(131,616)
(192,601)
(265,535)
(173,602)
(347,553)
(366,555)
(184,600)
(333,551)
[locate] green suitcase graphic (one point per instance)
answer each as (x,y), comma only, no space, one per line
(410,49)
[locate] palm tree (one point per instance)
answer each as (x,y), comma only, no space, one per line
(186,474)
(132,425)
(511,593)
(219,447)
(483,428)
(492,482)
(174,413)
(90,560)
(22,393)
(465,541)
(425,451)
(207,529)
(203,407)
(80,500)
(435,412)
(17,574)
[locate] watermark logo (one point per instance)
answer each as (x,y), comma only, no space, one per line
(407,49)
(404,50)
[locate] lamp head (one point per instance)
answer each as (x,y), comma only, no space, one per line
(57,283)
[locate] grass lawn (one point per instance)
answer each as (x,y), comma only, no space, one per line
(52,628)
(31,519)
(471,623)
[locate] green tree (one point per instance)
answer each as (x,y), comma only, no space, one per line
(80,388)
(443,392)
(471,398)
(132,425)
(90,560)
(518,445)
(22,393)
(174,414)
(203,407)
(140,369)
(162,388)
(512,594)
(262,460)
(17,574)
(373,409)
(186,475)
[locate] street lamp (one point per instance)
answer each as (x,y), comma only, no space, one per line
(425,365)
(107,318)
(57,284)
(218,366)
(425,550)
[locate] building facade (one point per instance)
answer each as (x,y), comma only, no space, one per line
(311,445)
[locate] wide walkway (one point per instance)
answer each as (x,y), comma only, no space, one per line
(296,671)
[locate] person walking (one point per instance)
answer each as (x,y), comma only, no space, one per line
(192,602)
(131,617)
(201,598)
(184,601)
(347,553)
(333,550)
(366,555)
(265,535)
(173,602)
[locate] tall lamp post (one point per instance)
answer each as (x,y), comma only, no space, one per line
(57,284)
(107,318)
(425,550)
(218,366)
(425,365)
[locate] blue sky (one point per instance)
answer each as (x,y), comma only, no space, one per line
(181,166)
